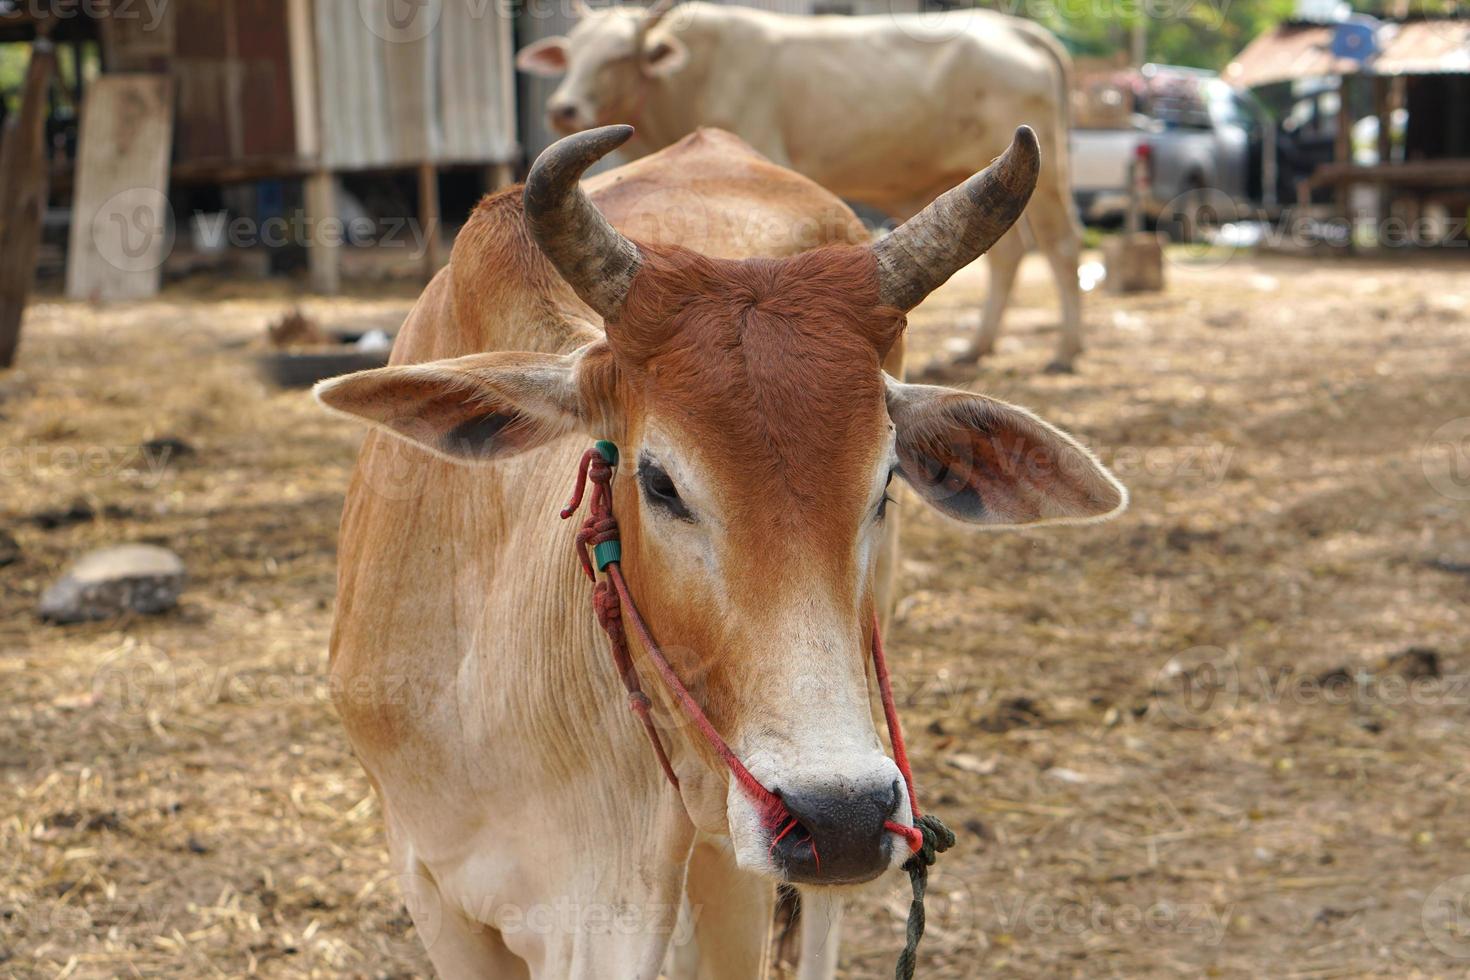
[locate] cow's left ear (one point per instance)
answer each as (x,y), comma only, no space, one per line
(983,461)
(482,407)
(546,57)
(664,55)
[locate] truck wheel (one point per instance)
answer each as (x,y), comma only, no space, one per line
(1194,216)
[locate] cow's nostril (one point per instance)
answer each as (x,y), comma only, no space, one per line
(835,835)
(564,115)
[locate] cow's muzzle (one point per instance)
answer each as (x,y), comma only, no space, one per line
(836,836)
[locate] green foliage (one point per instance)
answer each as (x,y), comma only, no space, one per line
(1197,33)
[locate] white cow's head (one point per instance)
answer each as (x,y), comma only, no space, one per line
(609,60)
(759,435)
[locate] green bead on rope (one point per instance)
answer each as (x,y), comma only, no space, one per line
(937,839)
(606,552)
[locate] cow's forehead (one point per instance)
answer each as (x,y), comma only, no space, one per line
(769,371)
(606,28)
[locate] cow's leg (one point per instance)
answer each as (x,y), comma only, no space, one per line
(457,946)
(731,911)
(1004,258)
(821,936)
(1053,224)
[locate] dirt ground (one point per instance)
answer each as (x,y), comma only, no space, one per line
(1222,736)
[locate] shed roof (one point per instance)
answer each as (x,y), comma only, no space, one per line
(1431,46)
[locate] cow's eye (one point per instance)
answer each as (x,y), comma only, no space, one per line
(883,504)
(659,490)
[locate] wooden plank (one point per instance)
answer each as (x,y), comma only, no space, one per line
(412,101)
(476,79)
(121,228)
(429,219)
(263,48)
(304,95)
(206,110)
(323,251)
(23,195)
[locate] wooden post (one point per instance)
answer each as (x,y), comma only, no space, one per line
(1383,109)
(324,250)
(498,175)
(23,193)
(429,219)
(1342,149)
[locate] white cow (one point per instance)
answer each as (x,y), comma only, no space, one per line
(889,111)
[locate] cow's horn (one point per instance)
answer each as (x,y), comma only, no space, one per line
(589,253)
(923,252)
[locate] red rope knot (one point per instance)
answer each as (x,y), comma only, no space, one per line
(599,470)
(609,610)
(639,704)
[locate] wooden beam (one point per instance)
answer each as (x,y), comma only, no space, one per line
(429,219)
(324,251)
(23,194)
(1342,148)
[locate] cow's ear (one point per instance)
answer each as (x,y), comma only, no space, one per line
(665,55)
(482,407)
(546,57)
(983,461)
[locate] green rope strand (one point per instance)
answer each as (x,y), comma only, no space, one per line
(937,839)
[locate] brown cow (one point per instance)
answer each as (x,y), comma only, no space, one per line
(759,432)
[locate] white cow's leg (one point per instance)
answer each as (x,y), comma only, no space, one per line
(821,935)
(1004,258)
(1054,225)
(731,911)
(457,946)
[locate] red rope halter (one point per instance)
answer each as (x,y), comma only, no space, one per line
(612,601)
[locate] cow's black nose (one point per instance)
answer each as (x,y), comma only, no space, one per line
(835,836)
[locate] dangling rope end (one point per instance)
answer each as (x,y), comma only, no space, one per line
(937,838)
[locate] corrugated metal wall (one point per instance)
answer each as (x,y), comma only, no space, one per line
(434,86)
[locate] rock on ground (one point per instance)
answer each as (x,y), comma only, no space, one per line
(138,578)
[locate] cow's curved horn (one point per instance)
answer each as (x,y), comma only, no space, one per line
(920,254)
(590,254)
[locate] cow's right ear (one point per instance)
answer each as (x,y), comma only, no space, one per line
(546,57)
(482,407)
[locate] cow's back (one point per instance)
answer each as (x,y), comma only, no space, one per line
(879,109)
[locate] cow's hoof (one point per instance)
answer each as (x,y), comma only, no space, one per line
(1061,367)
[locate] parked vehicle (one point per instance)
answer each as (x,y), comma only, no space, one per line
(1198,141)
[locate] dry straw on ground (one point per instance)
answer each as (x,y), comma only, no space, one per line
(1180,744)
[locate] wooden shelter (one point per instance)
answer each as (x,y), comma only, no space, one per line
(1420,65)
(300,89)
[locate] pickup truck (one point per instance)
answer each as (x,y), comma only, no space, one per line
(1193,133)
